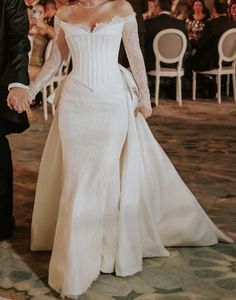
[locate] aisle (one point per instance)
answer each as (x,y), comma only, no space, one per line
(200,139)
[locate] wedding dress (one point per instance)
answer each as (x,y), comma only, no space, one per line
(107,195)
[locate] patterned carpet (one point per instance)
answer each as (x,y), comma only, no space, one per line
(200,139)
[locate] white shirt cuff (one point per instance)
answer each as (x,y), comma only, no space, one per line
(17,84)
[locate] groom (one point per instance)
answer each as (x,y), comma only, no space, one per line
(14,47)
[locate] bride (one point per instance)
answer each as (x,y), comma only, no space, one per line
(107,195)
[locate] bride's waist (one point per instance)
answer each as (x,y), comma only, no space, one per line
(76,87)
(95,77)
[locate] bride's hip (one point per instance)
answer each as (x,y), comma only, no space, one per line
(77,90)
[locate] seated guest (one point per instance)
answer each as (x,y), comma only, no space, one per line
(50,11)
(182,10)
(195,23)
(151,12)
(206,56)
(42,22)
(41,33)
(232,10)
(153,26)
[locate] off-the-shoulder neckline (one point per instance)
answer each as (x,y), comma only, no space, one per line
(113,20)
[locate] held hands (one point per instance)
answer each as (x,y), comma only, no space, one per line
(18,99)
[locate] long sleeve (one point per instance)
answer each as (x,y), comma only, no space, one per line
(136,61)
(52,64)
(18,46)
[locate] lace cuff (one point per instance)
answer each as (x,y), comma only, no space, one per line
(52,64)
(136,61)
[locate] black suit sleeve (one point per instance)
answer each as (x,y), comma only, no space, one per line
(18,46)
(144,5)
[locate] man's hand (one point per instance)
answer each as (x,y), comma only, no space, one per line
(18,99)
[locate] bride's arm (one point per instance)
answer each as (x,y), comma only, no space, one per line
(52,64)
(136,61)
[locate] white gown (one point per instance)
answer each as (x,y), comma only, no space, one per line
(107,195)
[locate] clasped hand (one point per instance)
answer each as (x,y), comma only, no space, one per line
(18,99)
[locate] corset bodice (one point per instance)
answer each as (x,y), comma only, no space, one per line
(94,52)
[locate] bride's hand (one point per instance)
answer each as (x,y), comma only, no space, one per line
(18,99)
(144,111)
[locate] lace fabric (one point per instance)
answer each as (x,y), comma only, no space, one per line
(52,64)
(136,61)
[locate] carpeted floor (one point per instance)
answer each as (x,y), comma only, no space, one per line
(200,139)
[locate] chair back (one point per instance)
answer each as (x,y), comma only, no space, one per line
(227,46)
(169,46)
(48,50)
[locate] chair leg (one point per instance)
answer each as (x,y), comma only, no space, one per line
(53,109)
(219,88)
(157,90)
(194,83)
(179,90)
(227,85)
(45,105)
(234,85)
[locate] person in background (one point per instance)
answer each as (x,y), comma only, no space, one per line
(206,56)
(232,10)
(14,49)
(164,20)
(195,23)
(182,10)
(42,33)
(42,27)
(151,12)
(50,11)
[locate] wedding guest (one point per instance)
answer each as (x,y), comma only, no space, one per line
(232,10)
(182,10)
(50,11)
(206,56)
(164,20)
(197,20)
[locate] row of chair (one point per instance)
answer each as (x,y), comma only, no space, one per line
(169,47)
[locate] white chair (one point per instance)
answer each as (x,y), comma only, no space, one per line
(227,53)
(169,46)
(48,91)
(31,39)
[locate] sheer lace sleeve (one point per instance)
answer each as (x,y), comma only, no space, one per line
(52,64)
(136,61)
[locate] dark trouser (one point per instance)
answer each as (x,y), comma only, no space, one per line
(6,185)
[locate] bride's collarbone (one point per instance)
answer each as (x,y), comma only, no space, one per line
(103,14)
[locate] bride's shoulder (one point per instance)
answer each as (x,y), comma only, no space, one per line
(122,7)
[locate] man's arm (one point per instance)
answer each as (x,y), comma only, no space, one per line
(17,26)
(18,46)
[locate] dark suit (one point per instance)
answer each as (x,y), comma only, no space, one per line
(14,47)
(140,7)
(206,57)
(153,27)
